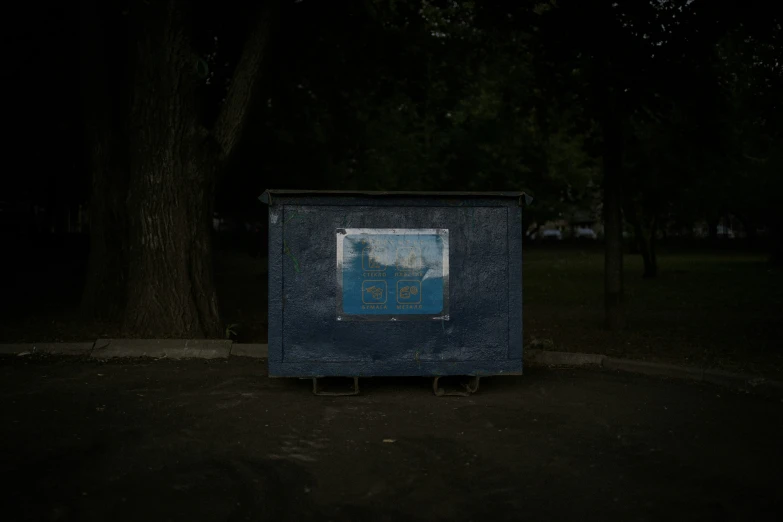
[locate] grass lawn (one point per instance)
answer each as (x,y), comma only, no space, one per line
(718,309)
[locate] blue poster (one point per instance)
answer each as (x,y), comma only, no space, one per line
(392,274)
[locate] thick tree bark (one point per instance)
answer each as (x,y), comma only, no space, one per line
(171,291)
(175,161)
(171,286)
(104,293)
(245,81)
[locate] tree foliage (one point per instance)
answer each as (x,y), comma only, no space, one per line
(672,107)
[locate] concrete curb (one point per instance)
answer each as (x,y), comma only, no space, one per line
(258,351)
(651,368)
(161,348)
(719,377)
(48,348)
(154,348)
(221,349)
(548,358)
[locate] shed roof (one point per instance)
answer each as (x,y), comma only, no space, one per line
(266,197)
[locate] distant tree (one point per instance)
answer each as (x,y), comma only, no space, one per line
(599,70)
(748,61)
(439,96)
(649,84)
(670,140)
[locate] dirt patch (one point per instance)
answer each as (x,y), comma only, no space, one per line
(217,440)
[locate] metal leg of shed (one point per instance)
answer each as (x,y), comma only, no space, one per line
(318,391)
(470,388)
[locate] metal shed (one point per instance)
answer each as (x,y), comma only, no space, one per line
(368,284)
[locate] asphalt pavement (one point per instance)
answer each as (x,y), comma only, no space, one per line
(217,440)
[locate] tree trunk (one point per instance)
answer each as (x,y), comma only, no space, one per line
(171,285)
(649,256)
(154,167)
(633,246)
(171,292)
(535,232)
(776,240)
(103,297)
(644,239)
(613,219)
(613,226)
(104,292)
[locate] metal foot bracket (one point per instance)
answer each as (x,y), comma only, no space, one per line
(319,391)
(470,388)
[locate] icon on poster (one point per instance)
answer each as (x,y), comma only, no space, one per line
(409,292)
(371,258)
(408,258)
(374,292)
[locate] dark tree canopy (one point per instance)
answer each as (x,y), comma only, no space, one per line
(659,114)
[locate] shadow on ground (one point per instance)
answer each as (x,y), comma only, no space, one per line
(217,440)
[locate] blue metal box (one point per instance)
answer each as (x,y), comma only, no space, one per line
(392,283)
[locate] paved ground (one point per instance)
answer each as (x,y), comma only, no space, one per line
(216,440)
